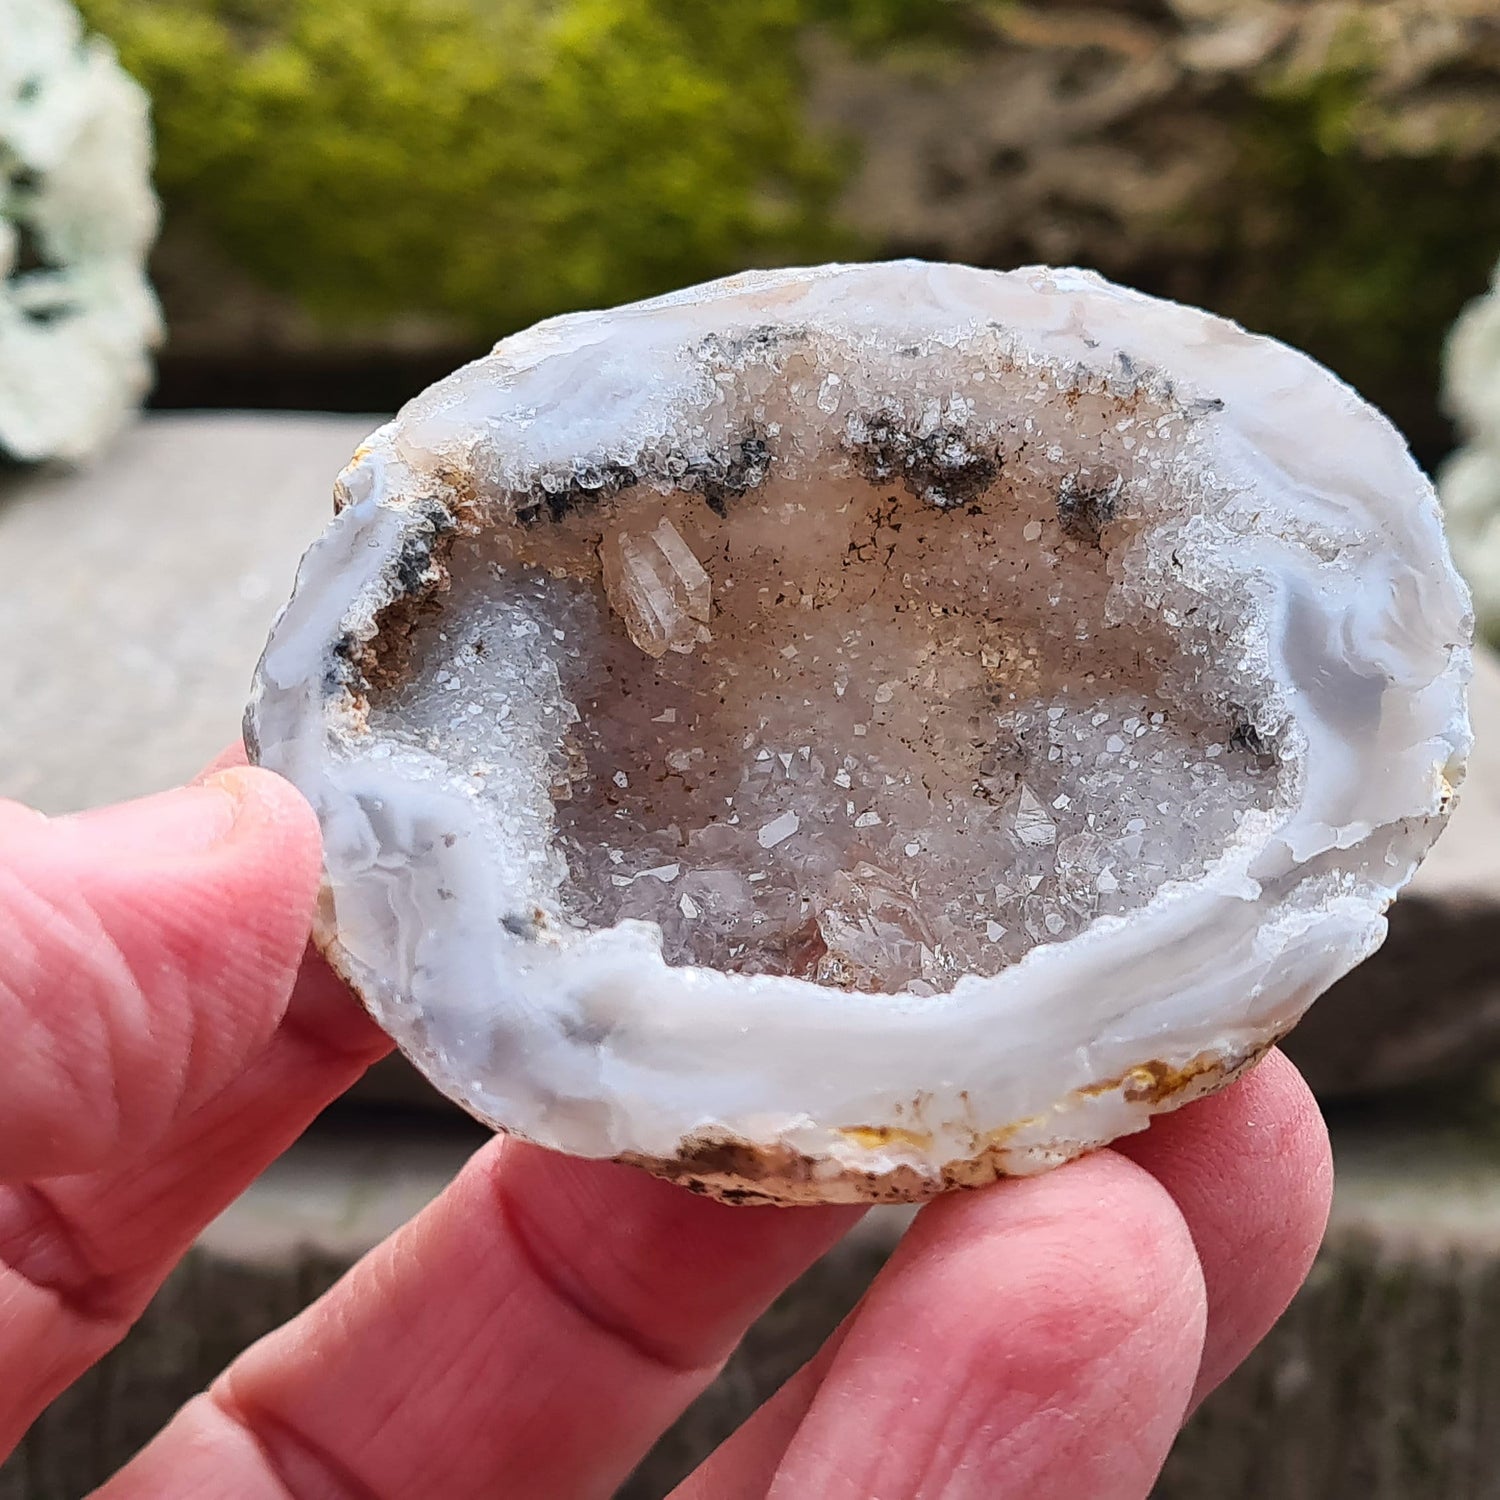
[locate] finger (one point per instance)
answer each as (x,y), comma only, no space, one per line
(81,1256)
(146,1011)
(530,1334)
(1036,1338)
(146,951)
(17,817)
(1251,1172)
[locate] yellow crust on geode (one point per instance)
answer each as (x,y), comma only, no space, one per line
(741,1172)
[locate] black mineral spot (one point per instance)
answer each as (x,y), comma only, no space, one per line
(575,490)
(725,476)
(518,924)
(23,180)
(413,569)
(757,345)
(1245,736)
(342,666)
(941,467)
(1084,510)
(413,562)
(52,312)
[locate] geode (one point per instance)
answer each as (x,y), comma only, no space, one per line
(851,732)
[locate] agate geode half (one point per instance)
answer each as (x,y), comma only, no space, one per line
(851,732)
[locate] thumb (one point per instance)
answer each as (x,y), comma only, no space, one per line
(147,951)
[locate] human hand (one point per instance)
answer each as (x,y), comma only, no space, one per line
(533,1330)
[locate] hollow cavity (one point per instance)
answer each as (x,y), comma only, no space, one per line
(830,727)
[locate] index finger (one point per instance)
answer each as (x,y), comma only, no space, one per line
(146,953)
(147,956)
(1249,1173)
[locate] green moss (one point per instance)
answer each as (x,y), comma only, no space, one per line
(878,24)
(495,162)
(499,160)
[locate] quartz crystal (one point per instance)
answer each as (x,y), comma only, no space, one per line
(77,215)
(850,732)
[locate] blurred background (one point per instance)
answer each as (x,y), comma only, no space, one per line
(358,192)
(270,222)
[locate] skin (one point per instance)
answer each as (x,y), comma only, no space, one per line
(535,1328)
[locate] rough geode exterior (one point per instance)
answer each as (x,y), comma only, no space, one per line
(1357,639)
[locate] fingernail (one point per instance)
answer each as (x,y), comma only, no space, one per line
(187,820)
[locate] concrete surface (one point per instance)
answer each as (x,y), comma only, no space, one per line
(138,592)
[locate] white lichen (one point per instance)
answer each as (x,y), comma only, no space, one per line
(77,216)
(1469,482)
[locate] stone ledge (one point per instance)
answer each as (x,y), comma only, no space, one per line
(141,589)
(1380,1381)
